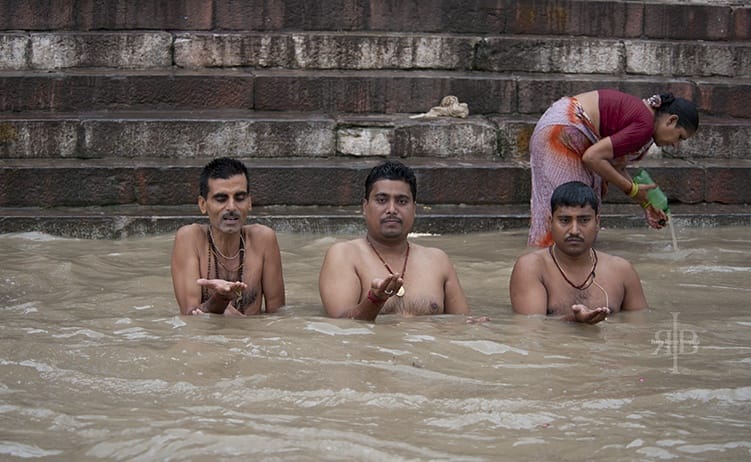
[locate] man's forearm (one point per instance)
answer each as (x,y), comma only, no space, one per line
(215,304)
(366,310)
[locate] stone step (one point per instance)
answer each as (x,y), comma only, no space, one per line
(331,182)
(723,20)
(330,91)
(373,51)
(207,134)
(116,222)
(109,109)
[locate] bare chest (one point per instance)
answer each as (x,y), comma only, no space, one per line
(413,306)
(600,292)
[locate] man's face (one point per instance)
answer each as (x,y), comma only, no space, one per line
(390,209)
(574,229)
(227,204)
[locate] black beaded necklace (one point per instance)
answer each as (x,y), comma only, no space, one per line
(588,281)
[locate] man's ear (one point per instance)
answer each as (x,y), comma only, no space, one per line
(250,203)
(202,204)
(364,203)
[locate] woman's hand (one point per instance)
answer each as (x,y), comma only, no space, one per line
(655,217)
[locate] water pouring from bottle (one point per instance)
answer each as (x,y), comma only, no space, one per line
(659,200)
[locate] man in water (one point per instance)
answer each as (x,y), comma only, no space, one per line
(570,279)
(382,272)
(225,266)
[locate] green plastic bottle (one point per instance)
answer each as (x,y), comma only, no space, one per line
(655,196)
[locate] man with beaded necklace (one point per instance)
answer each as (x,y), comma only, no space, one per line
(570,279)
(226,267)
(382,272)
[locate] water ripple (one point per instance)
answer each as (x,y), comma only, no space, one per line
(25,451)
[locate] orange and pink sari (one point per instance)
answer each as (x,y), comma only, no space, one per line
(556,147)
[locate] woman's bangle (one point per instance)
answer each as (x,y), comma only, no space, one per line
(375,300)
(634,190)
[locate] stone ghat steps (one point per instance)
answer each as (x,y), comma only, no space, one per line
(672,19)
(173,135)
(332,182)
(340,91)
(349,50)
(115,222)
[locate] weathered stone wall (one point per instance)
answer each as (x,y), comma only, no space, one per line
(117,102)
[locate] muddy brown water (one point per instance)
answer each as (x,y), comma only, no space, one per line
(96,363)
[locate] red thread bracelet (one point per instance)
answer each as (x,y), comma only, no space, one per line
(373,299)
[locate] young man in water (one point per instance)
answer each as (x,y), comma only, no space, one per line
(570,279)
(225,266)
(382,272)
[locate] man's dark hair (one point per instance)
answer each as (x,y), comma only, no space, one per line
(222,168)
(391,170)
(573,194)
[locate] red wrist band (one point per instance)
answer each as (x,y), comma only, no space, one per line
(373,299)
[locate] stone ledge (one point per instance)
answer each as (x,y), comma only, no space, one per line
(273,181)
(332,182)
(204,134)
(696,20)
(343,91)
(372,51)
(123,222)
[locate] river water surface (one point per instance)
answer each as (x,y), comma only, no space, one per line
(96,363)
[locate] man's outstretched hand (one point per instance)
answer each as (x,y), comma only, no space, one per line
(583,313)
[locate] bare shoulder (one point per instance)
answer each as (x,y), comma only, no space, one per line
(190,232)
(343,253)
(619,264)
(430,251)
(345,247)
(261,238)
(258,230)
(432,254)
(531,261)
